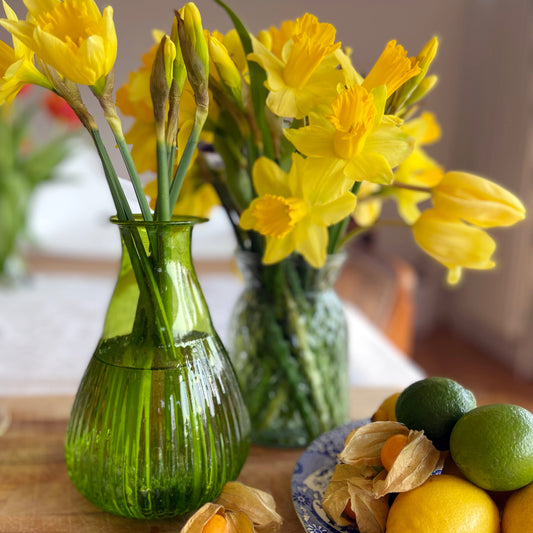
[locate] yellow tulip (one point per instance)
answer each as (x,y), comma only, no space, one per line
(453,243)
(294,210)
(477,200)
(71,36)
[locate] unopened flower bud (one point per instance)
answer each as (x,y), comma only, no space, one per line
(180,71)
(161,78)
(225,71)
(194,51)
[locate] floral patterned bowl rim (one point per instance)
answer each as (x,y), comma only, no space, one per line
(311,477)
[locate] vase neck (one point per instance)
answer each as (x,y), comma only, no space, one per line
(157,296)
(310,279)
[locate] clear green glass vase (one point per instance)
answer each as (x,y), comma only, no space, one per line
(288,344)
(158,424)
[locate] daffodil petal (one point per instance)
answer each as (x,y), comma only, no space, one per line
(313,140)
(408,201)
(336,210)
(278,249)
(268,178)
(370,167)
(312,243)
(390,142)
(452,242)
(367,212)
(477,200)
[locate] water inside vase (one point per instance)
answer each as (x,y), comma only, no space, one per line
(163,439)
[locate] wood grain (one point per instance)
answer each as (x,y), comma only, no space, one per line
(37,496)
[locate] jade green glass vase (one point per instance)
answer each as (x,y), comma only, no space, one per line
(158,425)
(288,344)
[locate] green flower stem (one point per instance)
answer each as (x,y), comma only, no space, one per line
(162,206)
(299,309)
(113,120)
(291,369)
(199,121)
(354,233)
(150,291)
(134,177)
(117,193)
(295,357)
(337,231)
(257,83)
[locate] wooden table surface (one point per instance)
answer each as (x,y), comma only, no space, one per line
(37,496)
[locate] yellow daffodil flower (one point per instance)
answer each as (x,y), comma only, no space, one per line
(294,210)
(71,36)
(306,74)
(233,45)
(357,134)
(418,86)
(392,69)
(425,129)
(280,36)
(453,243)
(16,66)
(368,207)
(477,200)
(419,169)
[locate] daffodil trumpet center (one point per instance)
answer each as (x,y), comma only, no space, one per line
(353,114)
(276,216)
(311,43)
(393,69)
(70,22)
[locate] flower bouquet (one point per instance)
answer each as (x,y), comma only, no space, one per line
(309,150)
(301,151)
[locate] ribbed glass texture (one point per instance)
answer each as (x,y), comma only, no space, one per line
(159,424)
(288,344)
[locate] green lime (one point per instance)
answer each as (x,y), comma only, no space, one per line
(493,446)
(434,405)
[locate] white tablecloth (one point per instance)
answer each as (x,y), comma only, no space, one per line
(50,324)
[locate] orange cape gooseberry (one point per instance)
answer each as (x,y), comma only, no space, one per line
(391,449)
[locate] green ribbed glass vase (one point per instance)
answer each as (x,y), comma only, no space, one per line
(158,424)
(288,343)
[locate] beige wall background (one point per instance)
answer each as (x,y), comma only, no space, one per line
(483,101)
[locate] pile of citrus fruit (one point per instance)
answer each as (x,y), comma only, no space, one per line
(490,460)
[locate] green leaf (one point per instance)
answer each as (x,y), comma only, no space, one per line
(257,82)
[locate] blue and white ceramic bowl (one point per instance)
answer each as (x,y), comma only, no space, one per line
(311,477)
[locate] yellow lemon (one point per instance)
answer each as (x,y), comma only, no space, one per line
(444,504)
(386,411)
(518,512)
